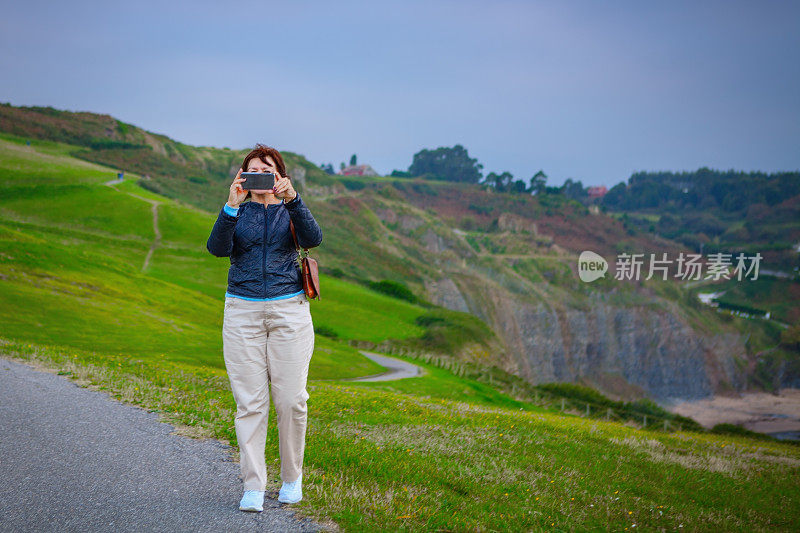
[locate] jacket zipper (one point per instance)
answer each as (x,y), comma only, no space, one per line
(264,258)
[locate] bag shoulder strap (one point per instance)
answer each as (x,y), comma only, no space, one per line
(294,236)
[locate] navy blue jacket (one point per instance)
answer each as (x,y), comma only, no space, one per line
(259,242)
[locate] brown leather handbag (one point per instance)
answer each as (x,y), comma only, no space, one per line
(309,268)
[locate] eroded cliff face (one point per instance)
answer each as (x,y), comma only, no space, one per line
(552,332)
(627,353)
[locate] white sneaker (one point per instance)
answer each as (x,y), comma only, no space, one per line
(292,492)
(253,500)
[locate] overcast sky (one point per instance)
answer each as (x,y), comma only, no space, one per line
(591,91)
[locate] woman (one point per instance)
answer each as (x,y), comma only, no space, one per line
(267,331)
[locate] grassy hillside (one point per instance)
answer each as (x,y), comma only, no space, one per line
(436,452)
(70,243)
(495,250)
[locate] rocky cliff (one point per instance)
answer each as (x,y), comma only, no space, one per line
(627,342)
(626,352)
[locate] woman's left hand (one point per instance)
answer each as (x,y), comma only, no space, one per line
(283,188)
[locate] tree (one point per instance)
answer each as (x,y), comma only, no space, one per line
(500,182)
(353,160)
(519,187)
(450,164)
(341,165)
(574,190)
(538,182)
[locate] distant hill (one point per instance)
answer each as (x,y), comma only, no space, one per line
(719,210)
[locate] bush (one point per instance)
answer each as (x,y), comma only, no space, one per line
(577,392)
(335,272)
(733,429)
(150,186)
(325,331)
(480,209)
(395,289)
(424,189)
(468,223)
(108,144)
(352,185)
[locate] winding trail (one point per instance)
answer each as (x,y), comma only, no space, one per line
(398,369)
(154,203)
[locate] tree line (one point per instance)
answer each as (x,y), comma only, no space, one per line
(455,164)
(702,190)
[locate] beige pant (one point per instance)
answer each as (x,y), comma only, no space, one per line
(268,341)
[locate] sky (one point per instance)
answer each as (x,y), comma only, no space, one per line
(586,90)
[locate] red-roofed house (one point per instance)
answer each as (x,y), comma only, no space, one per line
(596,192)
(358,170)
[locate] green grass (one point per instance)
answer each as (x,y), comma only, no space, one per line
(380,459)
(81,283)
(777,295)
(437,452)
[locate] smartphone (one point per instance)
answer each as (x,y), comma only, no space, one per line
(258,180)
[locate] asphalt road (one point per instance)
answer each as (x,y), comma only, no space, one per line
(397,368)
(74,459)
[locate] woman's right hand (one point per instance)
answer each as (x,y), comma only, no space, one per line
(237,194)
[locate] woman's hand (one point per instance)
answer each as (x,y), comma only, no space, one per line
(237,194)
(283,188)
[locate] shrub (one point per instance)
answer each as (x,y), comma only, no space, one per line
(394,289)
(352,185)
(325,331)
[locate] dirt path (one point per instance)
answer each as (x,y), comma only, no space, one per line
(154,207)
